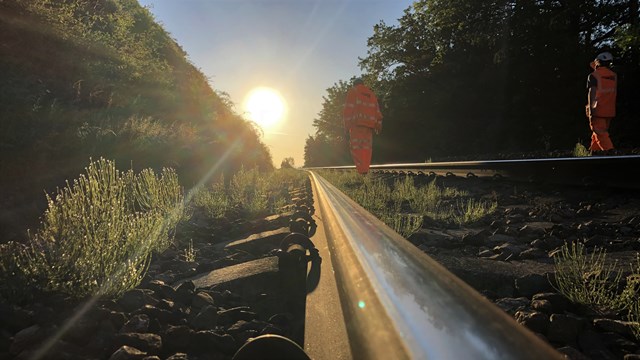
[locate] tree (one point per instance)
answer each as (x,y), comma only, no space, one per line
(487,76)
(328,146)
(287,163)
(440,69)
(319,150)
(483,77)
(329,122)
(100,78)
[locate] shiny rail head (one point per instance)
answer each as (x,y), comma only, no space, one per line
(401,303)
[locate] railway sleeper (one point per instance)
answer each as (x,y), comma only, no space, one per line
(248,291)
(283,273)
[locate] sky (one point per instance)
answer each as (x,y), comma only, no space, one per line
(300,48)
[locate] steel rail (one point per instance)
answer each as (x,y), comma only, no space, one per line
(398,303)
(614,171)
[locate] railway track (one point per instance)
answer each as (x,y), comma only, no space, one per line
(425,310)
(396,301)
(617,171)
(342,285)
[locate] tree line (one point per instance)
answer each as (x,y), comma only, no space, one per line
(487,77)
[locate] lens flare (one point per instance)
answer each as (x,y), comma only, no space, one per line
(265,106)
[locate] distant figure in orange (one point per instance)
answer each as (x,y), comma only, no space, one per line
(362,116)
(601,102)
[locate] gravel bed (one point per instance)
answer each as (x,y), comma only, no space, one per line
(508,256)
(159,320)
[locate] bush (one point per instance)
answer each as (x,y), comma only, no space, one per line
(586,279)
(249,192)
(98,233)
(580,151)
(14,287)
(213,201)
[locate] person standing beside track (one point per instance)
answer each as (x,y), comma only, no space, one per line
(361,116)
(601,102)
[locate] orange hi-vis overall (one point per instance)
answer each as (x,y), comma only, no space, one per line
(603,109)
(361,116)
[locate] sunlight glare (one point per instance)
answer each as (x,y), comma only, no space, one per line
(265,106)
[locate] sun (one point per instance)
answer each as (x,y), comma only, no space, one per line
(265,106)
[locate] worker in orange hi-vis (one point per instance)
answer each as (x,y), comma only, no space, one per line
(601,105)
(361,117)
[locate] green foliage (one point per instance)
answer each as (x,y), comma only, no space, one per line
(403,224)
(143,132)
(329,122)
(403,205)
(635,318)
(99,232)
(14,285)
(580,151)
(281,183)
(631,296)
(587,279)
(212,201)
(189,253)
(470,211)
(101,78)
(473,77)
(429,201)
(329,145)
(288,162)
(249,194)
(320,150)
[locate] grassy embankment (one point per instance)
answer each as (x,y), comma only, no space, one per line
(90,79)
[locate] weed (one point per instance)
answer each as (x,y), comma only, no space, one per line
(586,279)
(471,210)
(213,201)
(189,253)
(403,205)
(249,194)
(580,151)
(98,233)
(403,224)
(631,298)
(14,286)
(634,317)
